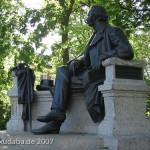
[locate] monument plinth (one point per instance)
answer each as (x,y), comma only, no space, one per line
(125,95)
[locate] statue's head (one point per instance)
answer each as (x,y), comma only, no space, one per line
(96,12)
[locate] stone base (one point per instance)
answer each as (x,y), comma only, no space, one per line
(73,142)
(127,143)
(125,99)
(15,125)
(54,142)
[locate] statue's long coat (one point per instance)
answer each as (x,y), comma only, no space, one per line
(107,42)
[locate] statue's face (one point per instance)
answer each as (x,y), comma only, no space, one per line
(93,14)
(90,19)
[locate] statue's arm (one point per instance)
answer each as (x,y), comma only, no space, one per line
(121,45)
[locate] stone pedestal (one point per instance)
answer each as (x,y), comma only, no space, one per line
(125,93)
(40,106)
(15,123)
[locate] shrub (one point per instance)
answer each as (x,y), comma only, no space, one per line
(4,109)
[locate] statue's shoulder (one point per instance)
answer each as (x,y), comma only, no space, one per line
(111,28)
(115,31)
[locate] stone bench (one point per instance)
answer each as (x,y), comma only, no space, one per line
(77,121)
(124,91)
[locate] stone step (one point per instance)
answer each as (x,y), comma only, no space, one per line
(63,141)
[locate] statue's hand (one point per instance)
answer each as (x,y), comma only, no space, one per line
(97,65)
(73,66)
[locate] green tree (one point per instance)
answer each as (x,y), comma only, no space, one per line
(15,46)
(8,25)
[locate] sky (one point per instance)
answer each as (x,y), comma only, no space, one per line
(51,38)
(33,3)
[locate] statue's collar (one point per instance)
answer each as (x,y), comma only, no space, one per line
(101,27)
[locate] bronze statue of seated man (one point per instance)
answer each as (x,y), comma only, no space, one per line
(87,72)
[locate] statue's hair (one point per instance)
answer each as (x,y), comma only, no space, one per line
(99,12)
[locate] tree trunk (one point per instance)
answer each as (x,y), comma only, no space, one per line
(64,27)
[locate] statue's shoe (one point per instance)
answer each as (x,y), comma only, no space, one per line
(54,115)
(50,128)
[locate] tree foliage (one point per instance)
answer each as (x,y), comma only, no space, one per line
(15,46)
(130,15)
